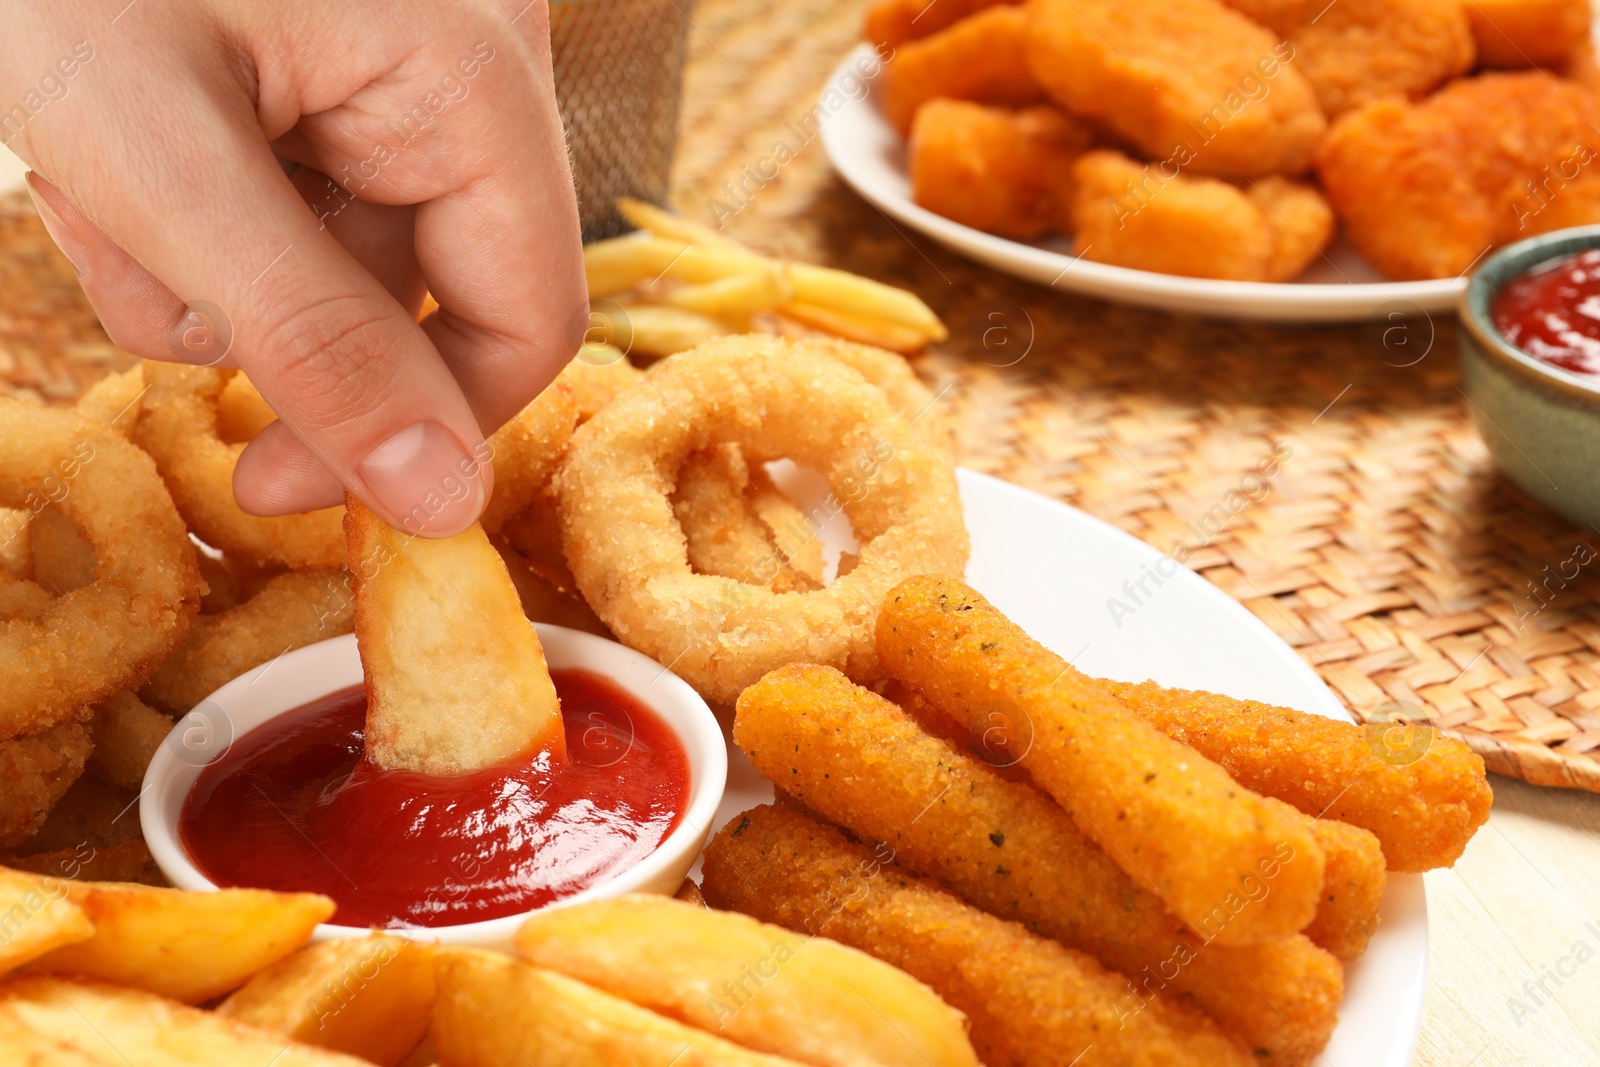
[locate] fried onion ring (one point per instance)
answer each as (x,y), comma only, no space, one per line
(291,610)
(97,640)
(178,427)
(526,452)
(127,732)
(777,398)
(34,772)
(114,400)
(596,376)
(723,534)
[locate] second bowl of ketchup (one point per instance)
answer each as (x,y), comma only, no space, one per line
(265,785)
(1530,366)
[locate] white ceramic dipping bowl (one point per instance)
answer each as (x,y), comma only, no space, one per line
(309,673)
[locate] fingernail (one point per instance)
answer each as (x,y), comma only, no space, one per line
(76,251)
(425,480)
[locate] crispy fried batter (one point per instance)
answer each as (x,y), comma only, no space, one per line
(1528,33)
(1189,81)
(1030,1000)
(891,22)
(1005,172)
(1424,798)
(1423,193)
(127,732)
(546,600)
(527,450)
(1133,215)
(114,400)
(292,609)
(723,535)
(1172,819)
(242,412)
(62,559)
(35,771)
(1352,888)
(982,58)
(1005,847)
(596,375)
(1354,51)
(125,861)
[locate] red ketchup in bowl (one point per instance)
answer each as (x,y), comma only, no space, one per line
(293,805)
(1552,312)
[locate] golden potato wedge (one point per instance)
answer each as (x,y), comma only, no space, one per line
(54,1020)
(456,679)
(35,917)
(371,997)
(809,999)
(184,945)
(494,1011)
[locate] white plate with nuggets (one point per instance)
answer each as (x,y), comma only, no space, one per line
(1055,571)
(870,155)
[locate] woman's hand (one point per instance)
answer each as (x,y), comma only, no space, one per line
(271,184)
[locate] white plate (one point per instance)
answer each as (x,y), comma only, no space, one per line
(870,155)
(1052,569)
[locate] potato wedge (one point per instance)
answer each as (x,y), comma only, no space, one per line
(456,679)
(72,1022)
(494,1011)
(371,997)
(35,917)
(807,998)
(184,945)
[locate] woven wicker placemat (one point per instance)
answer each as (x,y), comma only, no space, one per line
(1328,478)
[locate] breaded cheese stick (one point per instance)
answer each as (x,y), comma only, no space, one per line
(1167,815)
(1031,1001)
(1003,846)
(1424,795)
(1352,886)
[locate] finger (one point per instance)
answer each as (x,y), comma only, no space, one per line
(497,232)
(340,360)
(138,312)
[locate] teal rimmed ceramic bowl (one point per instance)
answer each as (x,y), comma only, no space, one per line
(1541,423)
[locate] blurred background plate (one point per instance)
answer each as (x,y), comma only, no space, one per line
(1342,287)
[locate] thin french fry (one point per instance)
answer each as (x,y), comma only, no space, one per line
(622,263)
(736,297)
(654,330)
(840,290)
(664,223)
(890,335)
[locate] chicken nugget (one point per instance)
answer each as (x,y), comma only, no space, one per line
(892,22)
(1353,51)
(1426,189)
(1030,1000)
(1191,82)
(1528,33)
(1424,795)
(1129,215)
(983,58)
(1300,220)
(1170,817)
(1003,846)
(1005,172)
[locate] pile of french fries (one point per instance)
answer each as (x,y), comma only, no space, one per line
(107,974)
(675,284)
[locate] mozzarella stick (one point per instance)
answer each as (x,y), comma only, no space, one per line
(1174,820)
(858,760)
(1352,886)
(1031,1001)
(1422,793)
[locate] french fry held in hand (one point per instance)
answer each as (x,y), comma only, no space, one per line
(456,679)
(187,946)
(810,999)
(370,997)
(681,265)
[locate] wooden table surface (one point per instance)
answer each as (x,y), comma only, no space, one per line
(1515,925)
